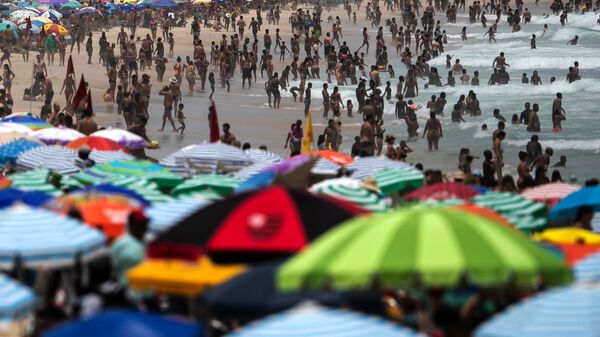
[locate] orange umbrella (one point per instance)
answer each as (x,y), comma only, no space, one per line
(485,212)
(575,252)
(108,215)
(332,156)
(5,182)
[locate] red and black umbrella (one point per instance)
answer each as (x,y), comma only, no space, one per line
(253,226)
(442,191)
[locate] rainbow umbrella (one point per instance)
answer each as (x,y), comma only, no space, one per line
(26,119)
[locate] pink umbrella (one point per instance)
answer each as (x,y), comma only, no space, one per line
(550,194)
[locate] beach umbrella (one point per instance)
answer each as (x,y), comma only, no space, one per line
(4,26)
(58,135)
(232,300)
(150,190)
(36,237)
(164,216)
(437,248)
(10,151)
(122,137)
(248,227)
(163,4)
(22,14)
(119,169)
(16,300)
(14,127)
(569,311)
(11,136)
(257,155)
(39,180)
(324,166)
(365,167)
(71,5)
(52,15)
(56,29)
(35,29)
(121,323)
(332,156)
(398,179)
(95,143)
(10,196)
(107,215)
(315,321)
(568,235)
(42,19)
(442,191)
(570,205)
(220,184)
(352,191)
(86,10)
(27,120)
(53,157)
(484,212)
(182,278)
(208,158)
(525,214)
(112,192)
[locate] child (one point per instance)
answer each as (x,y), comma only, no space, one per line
(533,44)
(211,80)
(388,90)
(119,99)
(171,41)
(180,118)
(349,106)
(354,19)
(448,63)
(391,71)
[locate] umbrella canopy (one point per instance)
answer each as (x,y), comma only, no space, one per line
(148,189)
(436,248)
(332,156)
(54,157)
(399,180)
(570,311)
(95,143)
(180,277)
(117,323)
(569,206)
(42,19)
(6,127)
(27,120)
(568,235)
(207,158)
(115,193)
(485,212)
(257,155)
(39,180)
(4,26)
(218,183)
(164,216)
(163,4)
(108,215)
(59,135)
(22,14)
(9,152)
(86,11)
(35,29)
(588,269)
(351,191)
(16,300)
(10,196)
(122,137)
(40,238)
(56,29)
(365,167)
(71,5)
(233,300)
(442,191)
(52,15)
(525,214)
(119,169)
(246,227)
(315,321)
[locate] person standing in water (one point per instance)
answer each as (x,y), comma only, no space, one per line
(433,131)
(558,113)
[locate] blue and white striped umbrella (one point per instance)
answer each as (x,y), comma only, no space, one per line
(54,157)
(365,167)
(564,312)
(258,155)
(163,216)
(314,321)
(10,151)
(52,15)
(588,269)
(105,156)
(207,158)
(251,171)
(40,238)
(324,166)
(16,300)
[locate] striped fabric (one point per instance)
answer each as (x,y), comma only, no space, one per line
(588,269)
(54,157)
(207,158)
(369,166)
(59,135)
(563,312)
(399,179)
(37,180)
(257,155)
(16,300)
(526,215)
(220,184)
(147,189)
(313,321)
(106,156)
(251,171)
(10,151)
(121,169)
(552,192)
(164,216)
(324,166)
(41,238)
(351,190)
(123,137)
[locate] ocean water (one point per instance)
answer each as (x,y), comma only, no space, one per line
(580,138)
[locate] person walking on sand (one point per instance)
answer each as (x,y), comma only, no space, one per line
(167,94)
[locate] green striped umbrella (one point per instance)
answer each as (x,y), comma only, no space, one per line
(525,214)
(399,179)
(351,191)
(218,183)
(141,169)
(413,246)
(37,180)
(147,189)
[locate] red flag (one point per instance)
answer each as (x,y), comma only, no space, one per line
(70,67)
(89,108)
(213,122)
(79,94)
